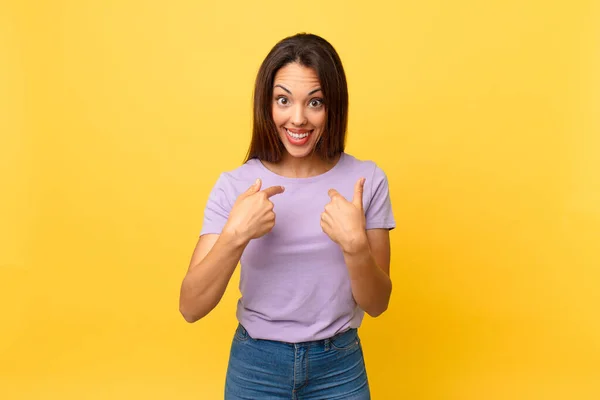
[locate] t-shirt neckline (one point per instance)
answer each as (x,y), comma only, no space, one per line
(302,180)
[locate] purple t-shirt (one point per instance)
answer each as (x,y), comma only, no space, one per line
(294,282)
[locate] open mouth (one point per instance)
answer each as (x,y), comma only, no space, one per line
(298,134)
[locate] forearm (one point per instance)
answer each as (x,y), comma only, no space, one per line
(205,283)
(371,286)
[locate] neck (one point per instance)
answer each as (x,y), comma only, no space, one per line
(306,167)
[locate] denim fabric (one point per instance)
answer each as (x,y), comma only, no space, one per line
(326,369)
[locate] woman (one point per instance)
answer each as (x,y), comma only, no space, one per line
(309,225)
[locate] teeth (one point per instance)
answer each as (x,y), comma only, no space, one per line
(297,135)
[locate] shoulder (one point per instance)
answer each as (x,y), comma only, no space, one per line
(230,183)
(366,168)
(245,173)
(376,198)
(376,189)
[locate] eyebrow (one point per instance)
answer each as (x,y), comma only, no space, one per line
(309,93)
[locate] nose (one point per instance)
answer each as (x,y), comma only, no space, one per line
(298,117)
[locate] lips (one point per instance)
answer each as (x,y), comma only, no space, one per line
(298,137)
(298,130)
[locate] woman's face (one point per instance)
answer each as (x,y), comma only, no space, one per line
(298,108)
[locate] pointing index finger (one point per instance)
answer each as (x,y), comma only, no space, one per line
(273,190)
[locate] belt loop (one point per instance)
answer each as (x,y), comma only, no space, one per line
(327,342)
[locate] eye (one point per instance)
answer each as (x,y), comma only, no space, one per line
(282,101)
(316,103)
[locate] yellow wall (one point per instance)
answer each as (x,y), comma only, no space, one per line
(117,116)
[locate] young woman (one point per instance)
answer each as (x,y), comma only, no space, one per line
(309,225)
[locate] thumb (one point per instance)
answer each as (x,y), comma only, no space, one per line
(255,187)
(357,200)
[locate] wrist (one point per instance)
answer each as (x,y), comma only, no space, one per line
(356,244)
(234,238)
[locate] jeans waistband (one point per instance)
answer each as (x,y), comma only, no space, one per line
(350,334)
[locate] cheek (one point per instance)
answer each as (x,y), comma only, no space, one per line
(319,119)
(278,116)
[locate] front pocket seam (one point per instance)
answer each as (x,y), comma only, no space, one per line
(352,345)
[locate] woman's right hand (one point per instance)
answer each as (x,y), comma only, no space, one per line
(252,213)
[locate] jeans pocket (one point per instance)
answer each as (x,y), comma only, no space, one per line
(241,334)
(346,340)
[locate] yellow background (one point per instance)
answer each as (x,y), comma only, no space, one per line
(116,117)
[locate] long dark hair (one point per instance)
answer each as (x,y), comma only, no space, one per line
(310,51)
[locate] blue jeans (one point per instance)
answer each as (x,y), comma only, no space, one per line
(326,369)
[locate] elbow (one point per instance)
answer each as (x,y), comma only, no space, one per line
(375,312)
(376,308)
(191,308)
(194,311)
(190,314)
(187,315)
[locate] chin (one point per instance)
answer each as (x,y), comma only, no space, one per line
(299,153)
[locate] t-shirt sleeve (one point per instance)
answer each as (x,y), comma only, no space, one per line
(217,207)
(379,213)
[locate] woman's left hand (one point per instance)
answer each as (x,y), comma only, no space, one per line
(344,221)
